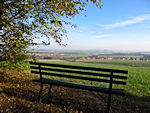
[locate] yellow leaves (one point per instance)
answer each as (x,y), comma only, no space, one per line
(31,6)
(1,89)
(31,12)
(66,4)
(46,25)
(100,6)
(97,4)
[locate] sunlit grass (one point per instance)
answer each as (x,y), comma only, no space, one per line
(138,82)
(132,63)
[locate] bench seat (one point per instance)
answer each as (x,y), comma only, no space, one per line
(79,86)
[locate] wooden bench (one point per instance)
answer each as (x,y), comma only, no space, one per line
(108,76)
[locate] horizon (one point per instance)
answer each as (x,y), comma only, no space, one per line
(118,26)
(89,50)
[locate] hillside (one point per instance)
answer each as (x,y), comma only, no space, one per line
(19,94)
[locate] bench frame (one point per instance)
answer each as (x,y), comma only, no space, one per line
(51,82)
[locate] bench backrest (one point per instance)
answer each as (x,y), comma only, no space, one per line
(76,72)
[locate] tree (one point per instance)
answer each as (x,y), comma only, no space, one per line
(22,21)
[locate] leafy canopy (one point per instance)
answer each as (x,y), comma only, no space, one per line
(22,21)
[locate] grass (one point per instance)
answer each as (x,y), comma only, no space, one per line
(138,82)
(136,100)
(132,63)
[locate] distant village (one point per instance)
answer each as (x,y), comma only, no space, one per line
(114,58)
(64,56)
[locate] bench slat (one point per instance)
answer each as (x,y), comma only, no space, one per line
(80,67)
(80,86)
(79,77)
(80,72)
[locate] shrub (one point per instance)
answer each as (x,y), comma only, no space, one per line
(18,65)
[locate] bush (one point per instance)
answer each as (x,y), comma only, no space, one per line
(18,65)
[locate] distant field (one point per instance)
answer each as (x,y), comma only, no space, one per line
(133,63)
(74,56)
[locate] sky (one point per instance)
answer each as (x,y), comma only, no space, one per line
(119,25)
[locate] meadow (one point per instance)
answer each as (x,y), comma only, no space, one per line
(138,82)
(132,63)
(137,88)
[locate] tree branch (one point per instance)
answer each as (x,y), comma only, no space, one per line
(22,15)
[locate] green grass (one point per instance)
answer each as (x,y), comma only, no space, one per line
(138,82)
(121,62)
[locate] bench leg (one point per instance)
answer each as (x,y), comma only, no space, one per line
(50,95)
(109,104)
(110,92)
(40,93)
(50,91)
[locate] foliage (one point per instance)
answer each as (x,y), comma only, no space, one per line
(20,66)
(22,21)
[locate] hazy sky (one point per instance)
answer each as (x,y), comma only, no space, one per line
(118,25)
